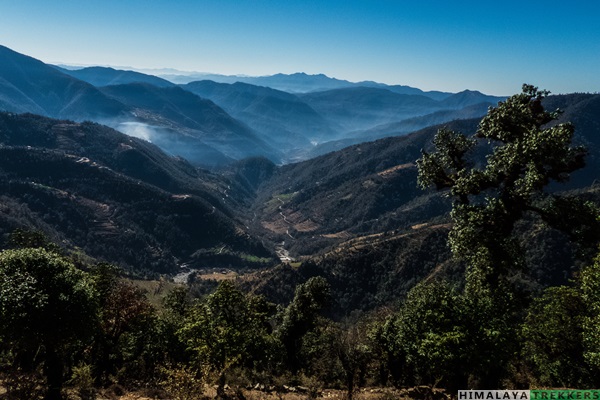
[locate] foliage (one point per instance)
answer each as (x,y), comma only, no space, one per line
(127,322)
(45,303)
(82,380)
(553,338)
(300,317)
(428,338)
(525,154)
(489,200)
(590,294)
(22,239)
(560,333)
(182,383)
(226,330)
(178,302)
(352,350)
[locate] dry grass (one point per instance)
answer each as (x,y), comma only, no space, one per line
(156,290)
(364,394)
(390,171)
(219,276)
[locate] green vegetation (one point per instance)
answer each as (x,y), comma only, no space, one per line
(488,278)
(47,309)
(228,329)
(526,155)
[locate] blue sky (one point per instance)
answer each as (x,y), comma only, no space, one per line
(491,46)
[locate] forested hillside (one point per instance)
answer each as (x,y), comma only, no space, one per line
(371,187)
(114,197)
(361,210)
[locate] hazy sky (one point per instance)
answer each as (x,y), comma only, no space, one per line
(491,46)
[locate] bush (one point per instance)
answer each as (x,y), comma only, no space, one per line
(182,382)
(82,380)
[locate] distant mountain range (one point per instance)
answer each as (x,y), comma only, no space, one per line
(299,83)
(282,117)
(105,76)
(192,122)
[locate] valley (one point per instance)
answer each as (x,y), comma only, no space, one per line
(256,211)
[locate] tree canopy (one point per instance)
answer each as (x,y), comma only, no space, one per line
(525,150)
(45,303)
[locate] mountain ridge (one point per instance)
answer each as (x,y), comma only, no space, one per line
(107,76)
(277,116)
(299,82)
(282,126)
(29,85)
(51,91)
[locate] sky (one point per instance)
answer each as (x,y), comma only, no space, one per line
(490,46)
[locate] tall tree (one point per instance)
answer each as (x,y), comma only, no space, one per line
(47,305)
(352,350)
(125,313)
(224,330)
(527,151)
(526,155)
(300,317)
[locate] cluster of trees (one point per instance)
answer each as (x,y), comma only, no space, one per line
(66,327)
(441,336)
(87,328)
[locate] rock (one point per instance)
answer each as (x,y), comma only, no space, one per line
(302,389)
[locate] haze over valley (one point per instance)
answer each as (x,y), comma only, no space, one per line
(211,123)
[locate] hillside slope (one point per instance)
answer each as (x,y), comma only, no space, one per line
(117,198)
(371,187)
(29,85)
(356,217)
(278,117)
(188,119)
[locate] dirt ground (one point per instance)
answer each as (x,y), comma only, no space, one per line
(417,393)
(362,394)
